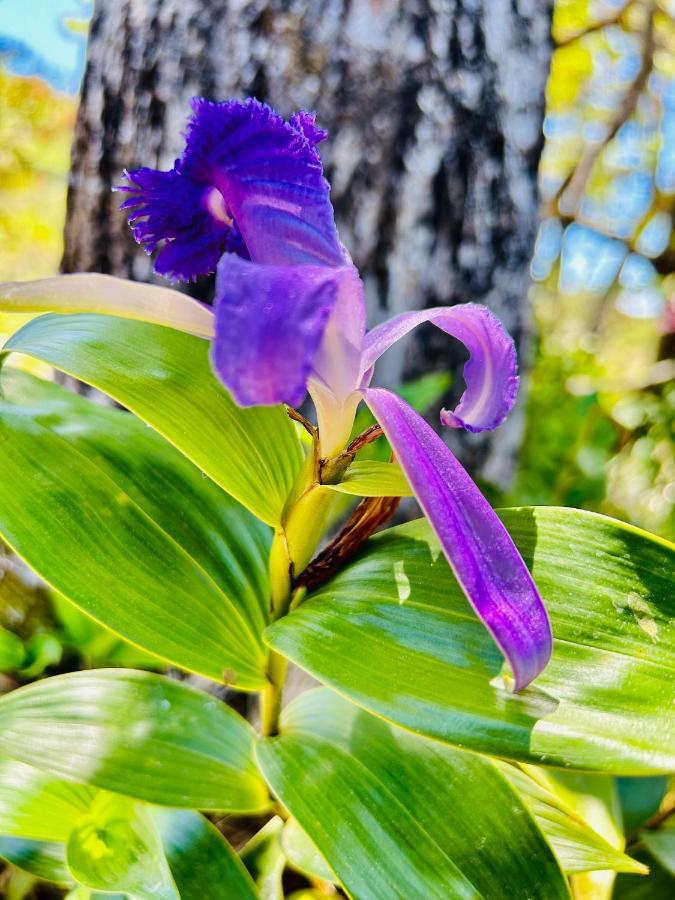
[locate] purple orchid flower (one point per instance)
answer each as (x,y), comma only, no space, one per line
(248,199)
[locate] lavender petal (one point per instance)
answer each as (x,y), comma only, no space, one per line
(480,551)
(269,323)
(490,373)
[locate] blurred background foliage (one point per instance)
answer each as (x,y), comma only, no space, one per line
(601,402)
(40,71)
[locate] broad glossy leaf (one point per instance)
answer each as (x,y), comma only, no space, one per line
(36,805)
(372,478)
(82,893)
(45,860)
(97,646)
(302,853)
(394,633)
(265,861)
(124,526)
(395,815)
(116,846)
(594,797)
(578,847)
(201,861)
(138,734)
(165,378)
(89,292)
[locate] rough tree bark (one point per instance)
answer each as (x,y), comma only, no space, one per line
(434,109)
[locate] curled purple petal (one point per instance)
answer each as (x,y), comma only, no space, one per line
(490,373)
(269,323)
(479,549)
(305,122)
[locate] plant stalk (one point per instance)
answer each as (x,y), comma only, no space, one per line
(272,694)
(292,548)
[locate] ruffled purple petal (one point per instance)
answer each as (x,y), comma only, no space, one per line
(168,208)
(490,373)
(247,183)
(269,323)
(480,551)
(305,122)
(270,175)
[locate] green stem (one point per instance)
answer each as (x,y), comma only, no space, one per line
(281,567)
(292,548)
(271,696)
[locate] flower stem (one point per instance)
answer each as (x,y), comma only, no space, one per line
(293,545)
(280,568)
(271,696)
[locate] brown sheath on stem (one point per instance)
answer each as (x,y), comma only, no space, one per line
(364,521)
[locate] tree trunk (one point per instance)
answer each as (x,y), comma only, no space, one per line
(434,111)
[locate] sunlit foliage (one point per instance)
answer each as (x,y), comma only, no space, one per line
(600,414)
(35,136)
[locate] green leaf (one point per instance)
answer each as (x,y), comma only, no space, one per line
(398,816)
(82,893)
(303,854)
(116,847)
(12,651)
(404,643)
(138,734)
(594,797)
(578,847)
(658,885)
(201,861)
(45,860)
(42,650)
(264,859)
(124,526)
(97,646)
(661,844)
(94,293)
(371,478)
(36,805)
(165,378)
